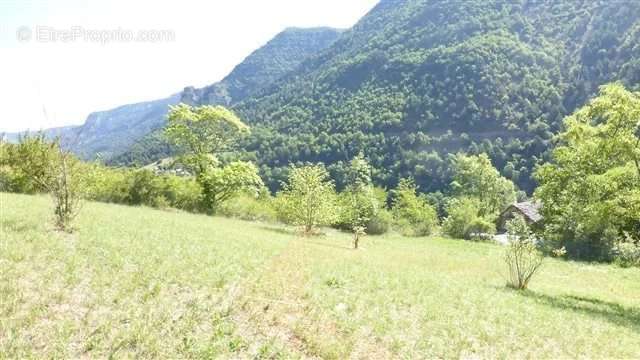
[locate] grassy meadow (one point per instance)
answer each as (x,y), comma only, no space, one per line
(135,282)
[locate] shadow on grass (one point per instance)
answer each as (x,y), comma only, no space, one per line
(609,311)
(279,230)
(306,239)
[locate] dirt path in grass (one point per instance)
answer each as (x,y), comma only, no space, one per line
(261,306)
(272,309)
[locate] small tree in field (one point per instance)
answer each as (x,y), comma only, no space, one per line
(358,203)
(522,257)
(309,198)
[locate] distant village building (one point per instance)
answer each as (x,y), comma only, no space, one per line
(529,210)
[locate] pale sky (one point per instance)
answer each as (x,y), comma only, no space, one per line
(78,73)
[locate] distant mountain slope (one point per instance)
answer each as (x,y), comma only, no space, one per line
(258,71)
(417,79)
(109,133)
(51,133)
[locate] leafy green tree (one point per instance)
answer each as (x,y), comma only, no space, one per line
(591,190)
(412,213)
(358,202)
(308,199)
(202,134)
(475,176)
(145,188)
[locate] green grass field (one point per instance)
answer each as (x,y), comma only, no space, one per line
(136,282)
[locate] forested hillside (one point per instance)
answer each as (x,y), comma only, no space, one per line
(417,79)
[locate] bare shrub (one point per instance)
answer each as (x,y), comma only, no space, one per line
(67,189)
(358,232)
(522,257)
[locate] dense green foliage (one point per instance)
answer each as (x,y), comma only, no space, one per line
(33,164)
(247,206)
(37,165)
(475,177)
(413,214)
(465,221)
(25,168)
(591,190)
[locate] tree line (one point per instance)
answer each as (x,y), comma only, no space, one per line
(589,190)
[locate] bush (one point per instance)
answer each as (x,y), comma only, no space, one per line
(249,207)
(380,223)
(626,253)
(522,257)
(182,193)
(39,165)
(464,221)
(67,188)
(412,213)
(146,189)
(480,229)
(108,185)
(27,166)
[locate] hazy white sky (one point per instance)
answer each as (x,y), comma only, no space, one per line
(79,73)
